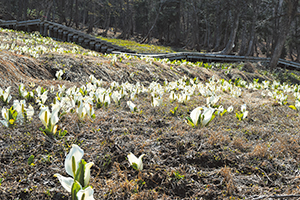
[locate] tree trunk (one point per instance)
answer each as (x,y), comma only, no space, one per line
(285,25)
(217,34)
(230,44)
(195,27)
(25,6)
(91,17)
(152,27)
(76,13)
(253,30)
(177,24)
(71,3)
(298,54)
(242,51)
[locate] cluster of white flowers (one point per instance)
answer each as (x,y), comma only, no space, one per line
(35,45)
(85,99)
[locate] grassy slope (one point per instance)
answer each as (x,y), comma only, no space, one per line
(137,47)
(229,158)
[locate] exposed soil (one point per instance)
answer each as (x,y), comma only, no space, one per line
(254,158)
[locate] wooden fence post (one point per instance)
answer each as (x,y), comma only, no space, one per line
(46,26)
(51,30)
(55,32)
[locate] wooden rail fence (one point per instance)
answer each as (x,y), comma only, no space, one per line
(211,57)
(67,34)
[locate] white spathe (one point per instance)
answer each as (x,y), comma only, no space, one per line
(297,105)
(131,105)
(88,193)
(230,109)
(47,117)
(66,182)
(77,153)
(195,114)
(138,161)
(203,117)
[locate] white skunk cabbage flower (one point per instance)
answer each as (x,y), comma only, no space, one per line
(132,106)
(220,110)
(67,104)
(66,182)
(133,95)
(87,193)
(72,161)
(23,112)
(183,98)
(244,110)
(22,91)
(156,101)
(42,97)
(85,108)
(297,105)
(77,153)
(30,112)
(5,115)
(49,119)
(211,101)
(116,96)
(59,74)
(243,107)
(61,88)
(230,109)
(136,162)
(52,88)
(197,117)
(4,95)
(172,96)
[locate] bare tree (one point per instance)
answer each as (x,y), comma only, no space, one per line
(285,24)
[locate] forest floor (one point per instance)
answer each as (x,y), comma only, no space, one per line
(254,158)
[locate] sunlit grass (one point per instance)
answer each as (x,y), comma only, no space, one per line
(137,47)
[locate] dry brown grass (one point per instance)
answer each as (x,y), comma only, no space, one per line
(260,151)
(225,160)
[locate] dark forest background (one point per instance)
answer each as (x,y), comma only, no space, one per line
(268,28)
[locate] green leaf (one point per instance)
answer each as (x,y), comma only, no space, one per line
(212,117)
(75,188)
(200,120)
(190,121)
(292,107)
(239,116)
(73,165)
(61,133)
(135,166)
(223,112)
(30,159)
(80,172)
(174,110)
